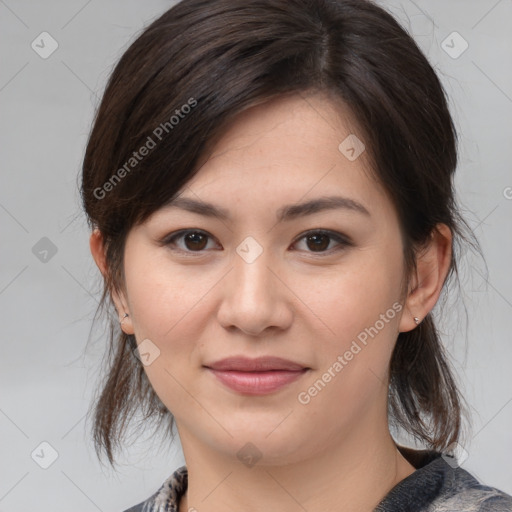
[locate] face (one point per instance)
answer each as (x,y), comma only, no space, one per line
(318,286)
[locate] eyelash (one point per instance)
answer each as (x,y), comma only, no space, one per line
(342,241)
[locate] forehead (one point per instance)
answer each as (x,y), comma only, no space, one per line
(289,147)
(314,118)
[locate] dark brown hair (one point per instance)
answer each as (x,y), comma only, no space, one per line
(220,57)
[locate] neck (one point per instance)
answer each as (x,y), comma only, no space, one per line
(354,474)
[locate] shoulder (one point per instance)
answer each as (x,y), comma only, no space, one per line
(167,497)
(440,485)
(465,492)
(478,499)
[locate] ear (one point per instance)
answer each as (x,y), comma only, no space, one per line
(96,243)
(433,263)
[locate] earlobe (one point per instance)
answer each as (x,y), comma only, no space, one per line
(432,266)
(98,253)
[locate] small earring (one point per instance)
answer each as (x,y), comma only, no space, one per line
(125,315)
(417,320)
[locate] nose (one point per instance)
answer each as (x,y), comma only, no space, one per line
(255,298)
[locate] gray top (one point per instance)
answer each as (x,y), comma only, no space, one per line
(435,486)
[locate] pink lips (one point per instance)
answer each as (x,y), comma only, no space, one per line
(256,376)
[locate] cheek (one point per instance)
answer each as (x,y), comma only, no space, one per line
(354,295)
(165,298)
(169,310)
(361,307)
(173,306)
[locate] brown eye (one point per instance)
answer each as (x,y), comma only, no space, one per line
(187,241)
(195,241)
(320,241)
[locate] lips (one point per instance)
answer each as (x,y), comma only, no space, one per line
(260,364)
(256,376)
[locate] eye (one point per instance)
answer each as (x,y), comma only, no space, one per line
(194,240)
(320,240)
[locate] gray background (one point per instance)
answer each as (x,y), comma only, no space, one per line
(47,300)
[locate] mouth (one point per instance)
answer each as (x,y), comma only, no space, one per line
(256,376)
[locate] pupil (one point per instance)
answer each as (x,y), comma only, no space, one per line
(193,238)
(316,238)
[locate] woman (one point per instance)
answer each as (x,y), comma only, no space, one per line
(269,185)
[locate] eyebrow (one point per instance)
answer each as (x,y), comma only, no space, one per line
(286,213)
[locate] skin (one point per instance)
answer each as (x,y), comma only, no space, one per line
(335,452)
